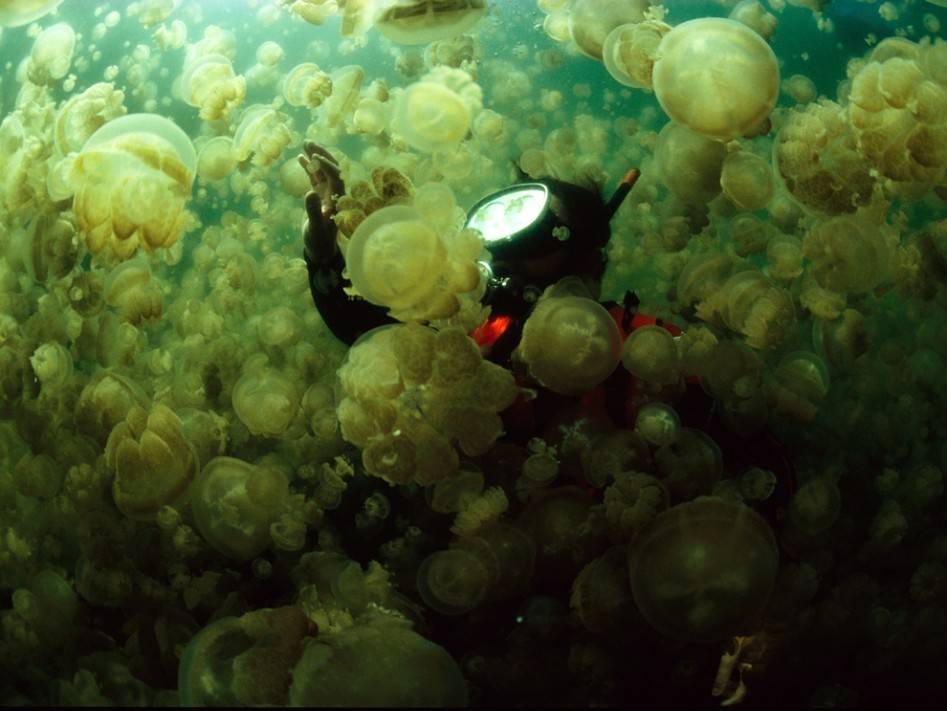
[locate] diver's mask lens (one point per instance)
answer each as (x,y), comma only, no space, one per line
(509,214)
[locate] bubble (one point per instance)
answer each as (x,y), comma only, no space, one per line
(717,77)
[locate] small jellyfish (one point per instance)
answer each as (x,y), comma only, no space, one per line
(746,180)
(234,504)
(453,582)
(265,401)
(262,135)
(83,114)
(216,160)
(306,85)
(629,52)
(650,353)
(590,21)
(424,21)
(209,84)
(717,77)
(703,571)
(435,114)
(658,423)
(51,55)
(570,344)
(689,465)
(688,163)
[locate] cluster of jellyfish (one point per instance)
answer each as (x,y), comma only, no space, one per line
(206,499)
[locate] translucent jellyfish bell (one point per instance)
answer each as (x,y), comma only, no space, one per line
(14,13)
(51,55)
(716,76)
(262,135)
(132,180)
(570,344)
(629,52)
(423,21)
(590,21)
(306,85)
(394,257)
(431,117)
(217,159)
(703,571)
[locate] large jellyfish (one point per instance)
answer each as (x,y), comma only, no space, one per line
(14,13)
(423,21)
(132,180)
(717,77)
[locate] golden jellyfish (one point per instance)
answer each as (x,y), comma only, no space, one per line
(688,163)
(704,570)
(435,113)
(14,13)
(590,21)
(847,254)
(216,160)
(570,344)
(717,77)
(816,156)
(398,259)
(209,84)
(629,52)
(262,135)
(51,55)
(306,85)
(424,21)
(132,181)
(266,401)
(83,114)
(234,504)
(650,353)
(752,14)
(345,84)
(746,180)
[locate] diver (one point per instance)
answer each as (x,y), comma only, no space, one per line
(536,233)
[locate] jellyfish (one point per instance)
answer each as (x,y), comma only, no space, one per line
(703,571)
(345,83)
(306,85)
(262,135)
(132,180)
(590,21)
(435,113)
(83,114)
(51,55)
(14,13)
(629,52)
(688,163)
(746,180)
(650,353)
(570,344)
(424,21)
(266,401)
(216,160)
(717,77)
(401,259)
(209,84)
(234,504)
